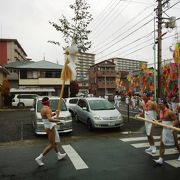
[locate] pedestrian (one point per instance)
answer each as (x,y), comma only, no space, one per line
(168,136)
(50,125)
(116,100)
(149,111)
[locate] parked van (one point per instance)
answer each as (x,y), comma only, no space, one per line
(64,115)
(23,100)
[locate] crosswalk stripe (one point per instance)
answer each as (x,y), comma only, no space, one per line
(142,145)
(74,157)
(137,138)
(167,152)
(174,162)
(143,138)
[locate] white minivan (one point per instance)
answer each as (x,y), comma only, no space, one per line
(23,100)
(64,115)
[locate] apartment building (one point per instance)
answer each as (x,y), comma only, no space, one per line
(102,78)
(11,51)
(127,65)
(83,64)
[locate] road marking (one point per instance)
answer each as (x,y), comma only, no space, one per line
(167,152)
(143,138)
(142,145)
(74,157)
(137,138)
(174,162)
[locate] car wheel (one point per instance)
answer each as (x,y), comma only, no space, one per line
(89,125)
(20,105)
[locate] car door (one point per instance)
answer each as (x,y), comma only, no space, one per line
(82,110)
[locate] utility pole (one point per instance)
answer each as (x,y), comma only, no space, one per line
(161,4)
(159,58)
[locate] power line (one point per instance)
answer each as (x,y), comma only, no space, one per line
(109,12)
(99,16)
(123,26)
(147,35)
(106,24)
(147,46)
(142,47)
(130,28)
(126,36)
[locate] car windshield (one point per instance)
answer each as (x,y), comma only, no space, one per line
(100,105)
(53,105)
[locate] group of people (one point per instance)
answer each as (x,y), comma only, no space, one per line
(150,111)
(153,111)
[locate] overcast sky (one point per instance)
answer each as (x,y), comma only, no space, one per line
(121,28)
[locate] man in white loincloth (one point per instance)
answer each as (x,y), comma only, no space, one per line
(51,130)
(150,113)
(168,136)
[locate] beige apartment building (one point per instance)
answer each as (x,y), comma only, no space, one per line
(83,64)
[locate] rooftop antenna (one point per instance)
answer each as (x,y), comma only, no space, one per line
(44,57)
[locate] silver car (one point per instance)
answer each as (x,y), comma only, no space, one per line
(64,115)
(97,113)
(71,104)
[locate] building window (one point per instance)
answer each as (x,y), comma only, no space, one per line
(23,74)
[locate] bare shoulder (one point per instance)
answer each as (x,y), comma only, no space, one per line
(45,111)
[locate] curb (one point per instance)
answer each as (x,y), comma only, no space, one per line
(11,110)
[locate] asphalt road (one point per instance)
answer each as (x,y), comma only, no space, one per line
(96,155)
(96,159)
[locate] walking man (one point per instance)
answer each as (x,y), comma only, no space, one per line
(51,130)
(168,136)
(150,113)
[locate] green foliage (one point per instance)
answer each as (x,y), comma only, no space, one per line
(77,29)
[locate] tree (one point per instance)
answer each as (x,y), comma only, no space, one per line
(5,92)
(77,30)
(74,88)
(5,88)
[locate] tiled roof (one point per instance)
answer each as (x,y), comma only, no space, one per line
(39,65)
(17,63)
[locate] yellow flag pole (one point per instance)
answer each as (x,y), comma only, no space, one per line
(155,122)
(62,90)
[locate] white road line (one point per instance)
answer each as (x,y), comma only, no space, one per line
(174,162)
(137,138)
(167,152)
(143,138)
(74,157)
(142,145)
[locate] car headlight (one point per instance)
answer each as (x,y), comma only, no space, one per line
(119,116)
(97,118)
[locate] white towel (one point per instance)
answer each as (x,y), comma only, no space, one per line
(150,115)
(167,135)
